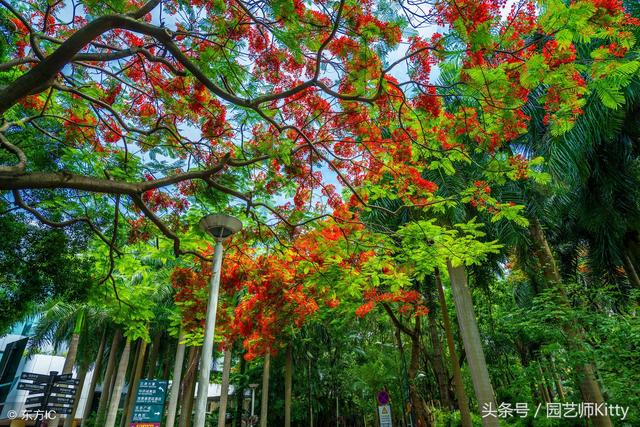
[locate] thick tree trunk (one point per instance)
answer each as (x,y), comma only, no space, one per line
(94,378)
(288,373)
(70,360)
(472,343)
(175,382)
(439,368)
(82,375)
(153,355)
(189,387)
(264,401)
(112,413)
(589,387)
(224,388)
(108,379)
(133,385)
(461,395)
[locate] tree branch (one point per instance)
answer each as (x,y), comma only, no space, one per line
(22,159)
(397,322)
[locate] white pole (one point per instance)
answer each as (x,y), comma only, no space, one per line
(207,345)
(253,400)
(175,384)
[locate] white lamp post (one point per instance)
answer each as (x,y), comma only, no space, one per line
(253,401)
(220,226)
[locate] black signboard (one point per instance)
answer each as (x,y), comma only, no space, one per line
(63,390)
(32,400)
(36,378)
(61,399)
(60,409)
(57,391)
(32,387)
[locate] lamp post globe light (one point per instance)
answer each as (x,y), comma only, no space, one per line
(220,226)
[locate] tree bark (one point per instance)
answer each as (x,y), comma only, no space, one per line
(288,371)
(461,395)
(82,375)
(472,343)
(264,401)
(240,392)
(114,403)
(442,376)
(630,271)
(224,389)
(94,378)
(153,355)
(423,415)
(175,382)
(70,359)
(108,378)
(419,407)
(589,387)
(189,387)
(133,385)
(310,393)
(556,380)
(131,373)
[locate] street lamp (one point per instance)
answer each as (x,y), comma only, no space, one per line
(253,397)
(253,401)
(220,226)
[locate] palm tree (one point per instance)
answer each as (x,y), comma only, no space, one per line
(76,325)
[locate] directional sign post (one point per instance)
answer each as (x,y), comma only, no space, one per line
(57,392)
(149,406)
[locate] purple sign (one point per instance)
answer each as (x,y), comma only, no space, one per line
(383,398)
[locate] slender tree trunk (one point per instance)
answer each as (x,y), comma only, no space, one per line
(133,385)
(423,415)
(472,343)
(438,363)
(556,380)
(132,372)
(70,359)
(82,375)
(461,395)
(542,384)
(310,393)
(240,392)
(404,385)
(189,387)
(108,378)
(153,355)
(224,389)
(118,385)
(589,387)
(630,271)
(175,382)
(288,372)
(94,377)
(264,401)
